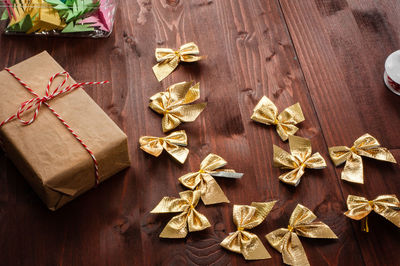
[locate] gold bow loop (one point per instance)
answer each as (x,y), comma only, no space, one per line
(169,59)
(175,104)
(387,206)
(267,113)
(302,223)
(174,144)
(211,192)
(367,146)
(189,220)
(243,242)
(301,157)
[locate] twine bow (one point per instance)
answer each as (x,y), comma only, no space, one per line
(367,146)
(37,102)
(299,159)
(243,242)
(267,113)
(211,192)
(189,220)
(175,105)
(174,144)
(387,206)
(301,223)
(169,59)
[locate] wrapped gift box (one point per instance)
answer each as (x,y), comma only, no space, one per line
(55,164)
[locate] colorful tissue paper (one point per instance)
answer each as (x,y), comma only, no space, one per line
(367,146)
(301,223)
(60,16)
(203,180)
(267,113)
(175,144)
(175,104)
(299,158)
(188,219)
(63,143)
(169,59)
(387,206)
(243,242)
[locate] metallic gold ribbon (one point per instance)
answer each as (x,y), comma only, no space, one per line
(175,105)
(174,144)
(299,159)
(189,220)
(301,223)
(267,113)
(243,242)
(387,206)
(169,59)
(211,192)
(367,146)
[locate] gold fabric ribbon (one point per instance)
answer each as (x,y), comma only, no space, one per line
(175,105)
(299,159)
(211,192)
(243,242)
(169,59)
(189,220)
(174,144)
(267,113)
(301,223)
(387,206)
(367,146)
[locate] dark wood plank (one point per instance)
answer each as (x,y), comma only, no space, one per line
(342,47)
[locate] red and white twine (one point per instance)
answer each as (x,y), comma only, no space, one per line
(38,101)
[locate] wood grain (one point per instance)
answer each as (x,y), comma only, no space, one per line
(328,55)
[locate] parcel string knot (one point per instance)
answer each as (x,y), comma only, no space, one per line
(37,102)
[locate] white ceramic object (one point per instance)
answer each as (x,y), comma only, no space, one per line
(392,72)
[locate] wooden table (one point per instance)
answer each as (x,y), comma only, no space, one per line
(326,54)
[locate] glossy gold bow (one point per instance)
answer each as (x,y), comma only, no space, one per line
(243,242)
(174,144)
(169,59)
(386,205)
(301,223)
(211,192)
(267,113)
(189,219)
(175,105)
(299,159)
(367,146)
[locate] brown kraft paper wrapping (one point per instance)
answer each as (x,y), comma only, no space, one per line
(55,164)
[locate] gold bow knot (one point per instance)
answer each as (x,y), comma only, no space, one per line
(175,105)
(189,220)
(267,113)
(169,59)
(301,223)
(299,159)
(174,144)
(211,192)
(387,206)
(243,242)
(367,146)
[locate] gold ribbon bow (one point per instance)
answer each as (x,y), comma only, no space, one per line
(174,144)
(301,223)
(386,205)
(169,59)
(267,113)
(299,159)
(243,242)
(367,146)
(189,219)
(211,192)
(175,105)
